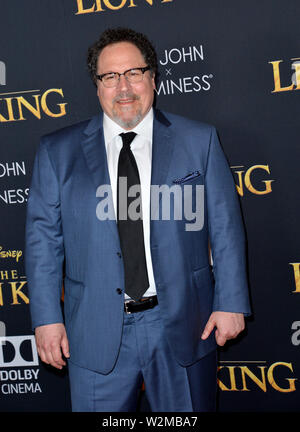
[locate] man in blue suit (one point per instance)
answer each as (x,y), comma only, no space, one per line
(142,301)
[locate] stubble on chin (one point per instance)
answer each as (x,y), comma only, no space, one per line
(129,123)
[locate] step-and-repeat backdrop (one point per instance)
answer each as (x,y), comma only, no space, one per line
(233,64)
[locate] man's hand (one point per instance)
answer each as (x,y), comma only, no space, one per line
(228,326)
(52,341)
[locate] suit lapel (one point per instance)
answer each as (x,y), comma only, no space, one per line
(93,147)
(162,150)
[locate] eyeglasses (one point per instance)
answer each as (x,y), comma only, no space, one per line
(134,76)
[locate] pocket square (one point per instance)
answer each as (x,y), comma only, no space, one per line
(187,177)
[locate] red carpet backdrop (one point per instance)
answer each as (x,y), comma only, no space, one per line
(233,64)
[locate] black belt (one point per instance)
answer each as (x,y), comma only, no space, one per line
(131,306)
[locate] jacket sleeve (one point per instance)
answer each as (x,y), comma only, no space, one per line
(226,233)
(44,250)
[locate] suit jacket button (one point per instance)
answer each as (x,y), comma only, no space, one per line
(119,291)
(119,254)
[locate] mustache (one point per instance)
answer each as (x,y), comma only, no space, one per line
(126,95)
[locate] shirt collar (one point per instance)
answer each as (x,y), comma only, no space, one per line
(111,129)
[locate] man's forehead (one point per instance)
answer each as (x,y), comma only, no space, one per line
(119,54)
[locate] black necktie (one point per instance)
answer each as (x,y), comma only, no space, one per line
(131,231)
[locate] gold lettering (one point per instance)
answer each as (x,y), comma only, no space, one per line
(45,107)
(9,110)
(272,382)
(18,292)
(4,274)
(296,267)
(99,7)
(10,253)
(35,111)
(110,6)
(261,383)
(81,10)
(19,254)
(231,377)
(239,186)
(267,182)
(14,274)
(277,83)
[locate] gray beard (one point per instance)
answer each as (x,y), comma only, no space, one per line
(128,124)
(131,123)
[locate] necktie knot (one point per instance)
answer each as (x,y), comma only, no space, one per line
(127,139)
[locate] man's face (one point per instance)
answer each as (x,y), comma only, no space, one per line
(126,104)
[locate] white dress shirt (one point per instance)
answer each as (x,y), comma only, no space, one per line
(141,148)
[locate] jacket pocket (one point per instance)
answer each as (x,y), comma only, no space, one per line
(189,177)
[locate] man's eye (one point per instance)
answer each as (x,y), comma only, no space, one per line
(134,72)
(109,77)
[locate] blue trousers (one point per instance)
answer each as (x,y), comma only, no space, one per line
(146,356)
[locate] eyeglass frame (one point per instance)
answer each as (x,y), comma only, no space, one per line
(143,69)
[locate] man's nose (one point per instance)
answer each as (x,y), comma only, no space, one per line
(123,83)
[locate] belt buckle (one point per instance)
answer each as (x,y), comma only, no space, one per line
(126,307)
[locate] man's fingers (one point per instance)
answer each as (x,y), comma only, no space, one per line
(52,342)
(208,329)
(52,356)
(65,347)
(228,326)
(53,362)
(220,339)
(42,355)
(57,357)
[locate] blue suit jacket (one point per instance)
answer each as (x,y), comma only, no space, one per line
(66,242)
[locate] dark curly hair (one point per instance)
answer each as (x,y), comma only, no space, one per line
(121,34)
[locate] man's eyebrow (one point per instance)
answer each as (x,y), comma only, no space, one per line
(104,73)
(126,70)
